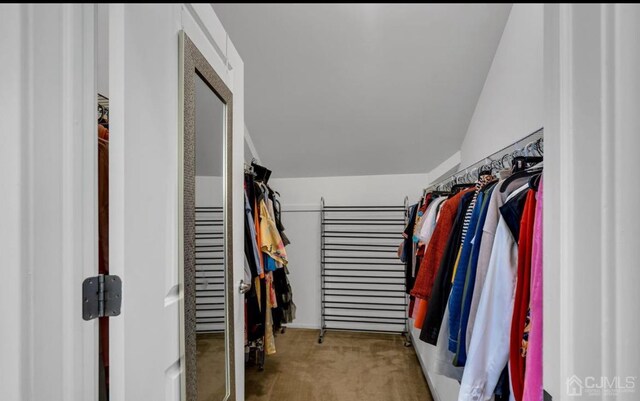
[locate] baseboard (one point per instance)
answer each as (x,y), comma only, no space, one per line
(423,364)
(442,388)
(303,326)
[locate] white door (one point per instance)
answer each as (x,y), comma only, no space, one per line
(145,358)
(48,204)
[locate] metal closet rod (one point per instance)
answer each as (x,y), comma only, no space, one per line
(489,160)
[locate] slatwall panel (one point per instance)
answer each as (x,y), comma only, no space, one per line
(363,285)
(209,270)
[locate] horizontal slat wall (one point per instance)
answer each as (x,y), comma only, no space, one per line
(209,270)
(362,279)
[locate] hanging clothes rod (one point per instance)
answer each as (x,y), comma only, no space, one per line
(533,144)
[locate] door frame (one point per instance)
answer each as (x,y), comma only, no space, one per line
(591,59)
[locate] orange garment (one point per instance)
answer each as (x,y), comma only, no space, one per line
(420,314)
(436,247)
(103,132)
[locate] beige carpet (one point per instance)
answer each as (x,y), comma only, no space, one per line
(211,367)
(346,367)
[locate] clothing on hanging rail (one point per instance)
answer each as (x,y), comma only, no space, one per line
(478,286)
(269,302)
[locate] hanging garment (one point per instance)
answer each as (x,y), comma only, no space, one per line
(441,360)
(429,224)
(533,372)
(277,215)
(521,302)
(489,231)
(251,251)
(422,246)
(271,242)
(467,294)
(436,248)
(460,275)
(489,348)
(423,236)
(512,211)
(103,251)
(269,338)
(406,252)
(285,312)
(442,283)
(256,222)
(421,213)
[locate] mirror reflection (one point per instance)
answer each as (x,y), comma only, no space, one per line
(209,244)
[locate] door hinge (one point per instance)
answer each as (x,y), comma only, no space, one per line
(101,296)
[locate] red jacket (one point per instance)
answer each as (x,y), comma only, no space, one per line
(437,246)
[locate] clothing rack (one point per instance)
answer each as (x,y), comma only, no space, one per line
(362,282)
(501,159)
(210,273)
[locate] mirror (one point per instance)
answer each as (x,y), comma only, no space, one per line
(206,251)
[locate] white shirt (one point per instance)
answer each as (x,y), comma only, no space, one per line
(429,221)
(489,348)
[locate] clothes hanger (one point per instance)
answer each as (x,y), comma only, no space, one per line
(262,173)
(519,174)
(534,181)
(521,163)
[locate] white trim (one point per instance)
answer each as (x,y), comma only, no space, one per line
(566,180)
(303,326)
(608,188)
(435,393)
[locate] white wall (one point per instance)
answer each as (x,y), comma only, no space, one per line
(511,104)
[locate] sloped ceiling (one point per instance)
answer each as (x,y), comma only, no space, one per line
(361,89)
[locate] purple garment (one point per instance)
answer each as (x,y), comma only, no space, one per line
(533,372)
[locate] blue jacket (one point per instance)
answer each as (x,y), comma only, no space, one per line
(455,298)
(467,295)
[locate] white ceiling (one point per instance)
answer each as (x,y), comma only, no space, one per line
(360,89)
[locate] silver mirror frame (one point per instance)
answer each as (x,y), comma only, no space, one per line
(192,62)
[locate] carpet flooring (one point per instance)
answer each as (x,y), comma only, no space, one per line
(210,367)
(346,367)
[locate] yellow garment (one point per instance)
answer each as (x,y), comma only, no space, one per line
(455,266)
(270,237)
(269,338)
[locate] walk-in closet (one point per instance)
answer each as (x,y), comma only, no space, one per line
(324,202)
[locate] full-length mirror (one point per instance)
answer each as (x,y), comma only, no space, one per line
(208,334)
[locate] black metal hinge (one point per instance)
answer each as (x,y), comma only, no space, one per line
(101,296)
